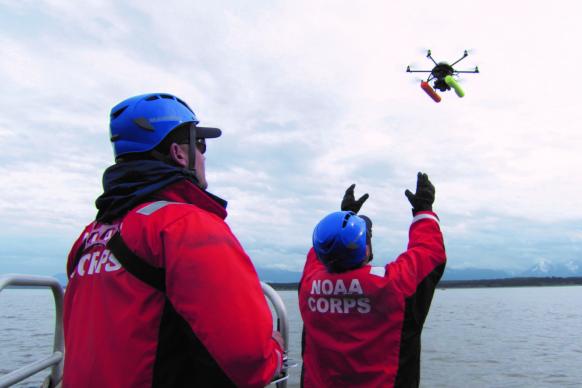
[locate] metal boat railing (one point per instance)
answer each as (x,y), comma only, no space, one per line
(56,359)
(282,327)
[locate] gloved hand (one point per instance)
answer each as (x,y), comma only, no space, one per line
(424,196)
(349,202)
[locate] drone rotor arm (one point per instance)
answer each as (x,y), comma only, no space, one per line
(429,56)
(465,55)
(468,71)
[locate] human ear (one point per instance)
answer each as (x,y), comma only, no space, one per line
(179,155)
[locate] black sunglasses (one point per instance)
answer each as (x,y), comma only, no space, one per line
(201,145)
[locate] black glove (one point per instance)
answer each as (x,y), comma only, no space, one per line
(349,202)
(424,196)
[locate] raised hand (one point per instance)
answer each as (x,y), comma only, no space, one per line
(349,203)
(424,196)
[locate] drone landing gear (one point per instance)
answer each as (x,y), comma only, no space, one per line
(430,91)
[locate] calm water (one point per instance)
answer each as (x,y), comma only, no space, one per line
(501,337)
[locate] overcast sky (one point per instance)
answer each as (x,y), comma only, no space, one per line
(311,96)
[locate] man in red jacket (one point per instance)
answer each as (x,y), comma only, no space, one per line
(160,292)
(362,324)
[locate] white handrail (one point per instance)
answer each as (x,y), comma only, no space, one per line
(282,324)
(56,359)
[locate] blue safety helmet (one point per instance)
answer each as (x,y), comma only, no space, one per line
(339,241)
(140,123)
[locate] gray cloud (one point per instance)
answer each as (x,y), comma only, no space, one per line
(311,98)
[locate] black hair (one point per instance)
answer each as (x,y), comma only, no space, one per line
(368,222)
(368,236)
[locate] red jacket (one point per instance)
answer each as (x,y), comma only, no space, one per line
(362,327)
(211,327)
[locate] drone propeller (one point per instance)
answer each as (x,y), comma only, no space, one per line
(420,50)
(475,70)
(415,66)
(426,53)
(418,69)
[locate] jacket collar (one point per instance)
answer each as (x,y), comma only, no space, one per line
(126,185)
(187,192)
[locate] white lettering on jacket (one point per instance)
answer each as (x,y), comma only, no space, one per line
(100,259)
(93,263)
(326,300)
(327,287)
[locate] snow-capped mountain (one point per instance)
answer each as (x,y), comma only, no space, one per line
(543,268)
(547,268)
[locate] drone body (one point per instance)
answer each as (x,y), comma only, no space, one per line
(442,74)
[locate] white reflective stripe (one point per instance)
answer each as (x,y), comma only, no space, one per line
(378,271)
(152,207)
(423,216)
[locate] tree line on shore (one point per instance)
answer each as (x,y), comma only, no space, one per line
(507,282)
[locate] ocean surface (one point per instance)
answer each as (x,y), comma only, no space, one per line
(489,337)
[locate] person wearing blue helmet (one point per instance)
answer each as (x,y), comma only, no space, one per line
(362,324)
(160,292)
(339,240)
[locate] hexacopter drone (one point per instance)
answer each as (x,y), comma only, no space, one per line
(442,74)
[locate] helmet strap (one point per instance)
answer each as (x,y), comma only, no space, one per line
(192,148)
(161,157)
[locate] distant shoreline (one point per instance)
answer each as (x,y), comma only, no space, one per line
(486,283)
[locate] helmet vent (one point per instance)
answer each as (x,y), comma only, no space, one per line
(116,114)
(346,218)
(144,123)
(151,98)
(168,96)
